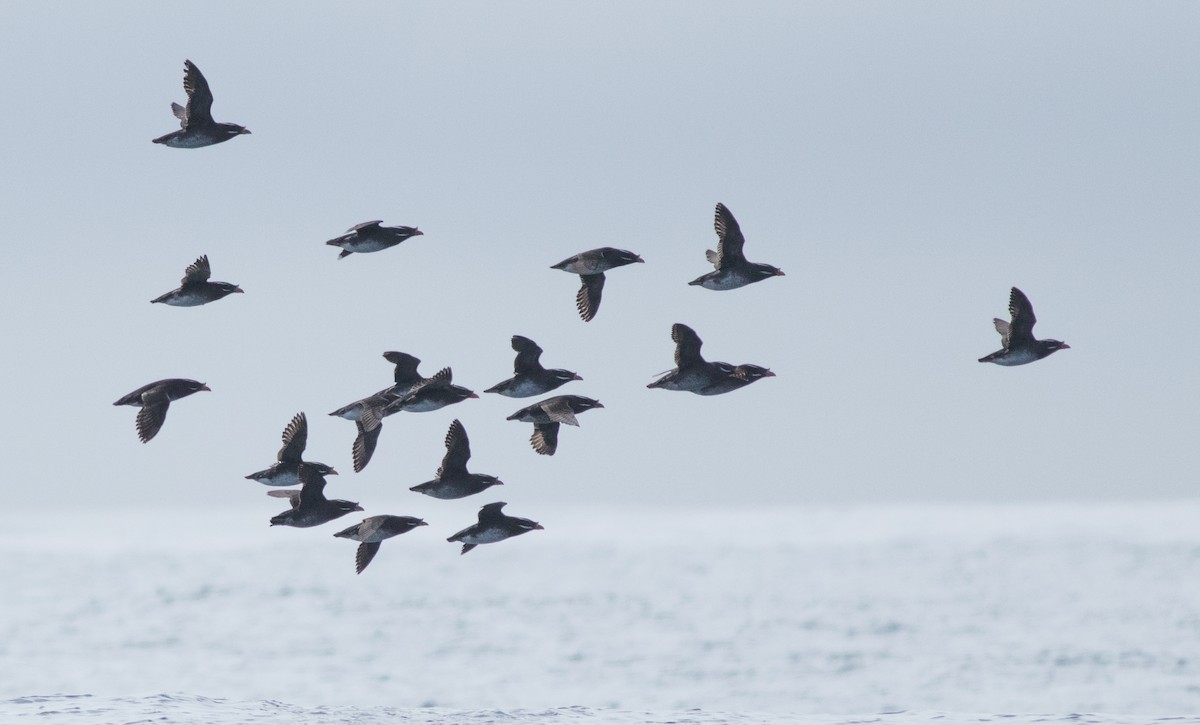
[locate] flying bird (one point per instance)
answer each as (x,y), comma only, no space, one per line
(1019,346)
(493,526)
(372,531)
(547,415)
(309,505)
(591,266)
(406,376)
(429,394)
(196,125)
(733,270)
(452,479)
(529,377)
(195,289)
(432,393)
(289,465)
(154,399)
(371,237)
(694,374)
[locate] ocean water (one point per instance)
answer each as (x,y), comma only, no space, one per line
(1033,613)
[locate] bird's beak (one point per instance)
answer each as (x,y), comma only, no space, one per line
(244,131)
(205,387)
(598,405)
(239,290)
(359,508)
(779,273)
(422,524)
(538,527)
(332,473)
(576,377)
(1064,346)
(768,374)
(639,259)
(472,395)
(418,233)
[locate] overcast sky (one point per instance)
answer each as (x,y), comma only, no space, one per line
(904,164)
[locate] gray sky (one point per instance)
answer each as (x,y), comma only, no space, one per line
(905,164)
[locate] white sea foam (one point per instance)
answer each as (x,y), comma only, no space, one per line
(942,612)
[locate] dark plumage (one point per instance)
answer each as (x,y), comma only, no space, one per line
(694,374)
(433,393)
(529,377)
(371,237)
(739,377)
(493,526)
(154,399)
(591,266)
(547,415)
(372,531)
(452,479)
(1019,345)
(732,268)
(406,376)
(196,125)
(309,505)
(429,394)
(289,465)
(195,289)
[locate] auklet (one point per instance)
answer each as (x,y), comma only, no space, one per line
(1019,345)
(372,531)
(529,377)
(493,526)
(289,465)
(154,399)
(195,289)
(196,125)
(429,394)
(452,479)
(406,376)
(546,416)
(432,393)
(371,237)
(309,505)
(732,268)
(739,377)
(692,372)
(591,266)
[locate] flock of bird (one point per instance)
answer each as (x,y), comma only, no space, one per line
(412,392)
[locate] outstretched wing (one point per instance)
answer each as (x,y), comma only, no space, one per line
(458,449)
(587,299)
(366,552)
(152,414)
(1003,328)
(545,438)
(200,99)
(528,355)
(312,487)
(365,225)
(295,438)
(369,428)
(197,272)
(687,345)
(291,494)
(406,367)
(729,248)
(1023,320)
